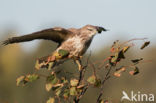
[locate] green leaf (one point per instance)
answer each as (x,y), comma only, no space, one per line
(31,77)
(66,93)
(52,79)
(51,100)
(97,83)
(73,91)
(117,57)
(20,81)
(145,45)
(114,58)
(92,79)
(63,53)
(53,83)
(74,82)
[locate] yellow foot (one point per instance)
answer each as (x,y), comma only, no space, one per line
(79,64)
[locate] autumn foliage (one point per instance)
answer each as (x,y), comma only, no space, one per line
(72,89)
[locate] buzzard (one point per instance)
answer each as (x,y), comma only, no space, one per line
(72,43)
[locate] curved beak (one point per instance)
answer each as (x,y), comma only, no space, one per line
(100,29)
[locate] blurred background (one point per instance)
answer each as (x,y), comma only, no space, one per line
(126,19)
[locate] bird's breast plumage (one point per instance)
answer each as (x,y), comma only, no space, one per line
(76,45)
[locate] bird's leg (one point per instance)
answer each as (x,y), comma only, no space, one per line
(78,62)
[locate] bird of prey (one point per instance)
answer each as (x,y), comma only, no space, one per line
(72,43)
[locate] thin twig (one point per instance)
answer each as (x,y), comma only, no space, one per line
(132,40)
(81,76)
(107,76)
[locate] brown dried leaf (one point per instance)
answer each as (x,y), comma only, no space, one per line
(145,45)
(136,60)
(20,81)
(119,71)
(135,71)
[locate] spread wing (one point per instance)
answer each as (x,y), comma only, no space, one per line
(55,34)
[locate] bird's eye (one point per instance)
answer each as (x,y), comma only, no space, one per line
(90,29)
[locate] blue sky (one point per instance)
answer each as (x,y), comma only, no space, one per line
(125,18)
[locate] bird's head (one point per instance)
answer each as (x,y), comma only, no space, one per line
(92,30)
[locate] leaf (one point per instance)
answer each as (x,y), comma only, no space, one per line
(37,65)
(145,45)
(51,100)
(73,91)
(117,74)
(31,77)
(63,53)
(48,86)
(74,82)
(119,71)
(117,57)
(20,81)
(50,65)
(114,58)
(121,55)
(97,83)
(137,60)
(135,71)
(64,80)
(92,79)
(125,49)
(58,91)
(54,88)
(52,79)
(101,101)
(66,93)
(53,82)
(40,64)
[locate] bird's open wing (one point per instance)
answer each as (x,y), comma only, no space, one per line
(55,34)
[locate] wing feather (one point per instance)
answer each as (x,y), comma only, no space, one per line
(55,34)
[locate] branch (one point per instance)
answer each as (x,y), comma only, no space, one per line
(81,77)
(107,76)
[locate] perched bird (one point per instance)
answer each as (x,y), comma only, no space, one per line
(72,43)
